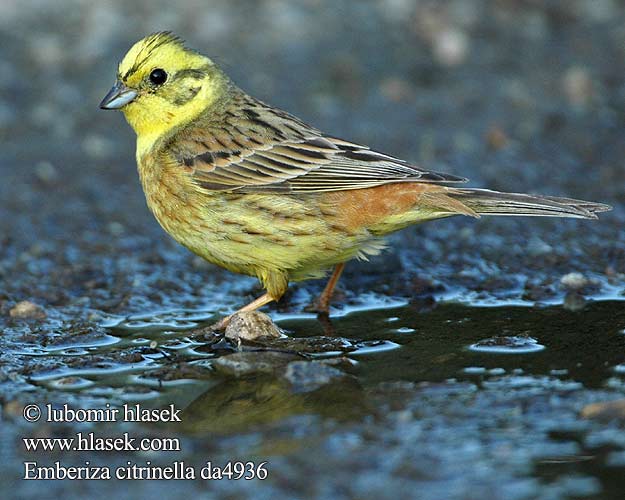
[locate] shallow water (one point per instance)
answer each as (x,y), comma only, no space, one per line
(394,343)
(402,374)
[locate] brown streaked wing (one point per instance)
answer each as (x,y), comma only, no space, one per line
(308,165)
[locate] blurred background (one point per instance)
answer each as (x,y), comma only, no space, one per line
(517,95)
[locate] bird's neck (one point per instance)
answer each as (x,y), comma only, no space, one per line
(168,119)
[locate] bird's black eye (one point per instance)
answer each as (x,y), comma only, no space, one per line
(158,76)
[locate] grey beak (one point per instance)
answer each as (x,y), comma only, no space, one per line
(118,97)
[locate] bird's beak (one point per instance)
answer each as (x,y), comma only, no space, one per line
(118,96)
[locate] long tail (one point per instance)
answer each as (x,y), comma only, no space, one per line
(486,202)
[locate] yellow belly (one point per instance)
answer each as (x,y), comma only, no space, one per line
(253,234)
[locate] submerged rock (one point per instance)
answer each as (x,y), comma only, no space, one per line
(308,376)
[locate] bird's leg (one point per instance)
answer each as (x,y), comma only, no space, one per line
(252,306)
(256,303)
(322,305)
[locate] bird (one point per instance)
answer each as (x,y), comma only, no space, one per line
(257,191)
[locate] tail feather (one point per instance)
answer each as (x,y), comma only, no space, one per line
(487,202)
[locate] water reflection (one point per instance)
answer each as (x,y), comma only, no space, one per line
(243,405)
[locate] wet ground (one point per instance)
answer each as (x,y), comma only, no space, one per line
(471,360)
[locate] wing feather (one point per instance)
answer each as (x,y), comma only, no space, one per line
(262,149)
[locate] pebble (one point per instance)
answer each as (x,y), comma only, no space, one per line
(605,410)
(451,47)
(574,281)
(27,310)
(251,326)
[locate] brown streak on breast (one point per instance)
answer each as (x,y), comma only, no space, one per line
(255,232)
(167,190)
(280,241)
(239,239)
(231,222)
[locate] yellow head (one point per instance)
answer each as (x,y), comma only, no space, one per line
(162,84)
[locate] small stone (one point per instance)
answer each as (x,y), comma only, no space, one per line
(251,325)
(574,281)
(451,47)
(13,409)
(605,410)
(27,310)
(308,376)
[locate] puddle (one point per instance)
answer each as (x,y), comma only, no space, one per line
(423,376)
(390,343)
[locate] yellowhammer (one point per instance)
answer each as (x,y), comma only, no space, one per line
(255,190)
